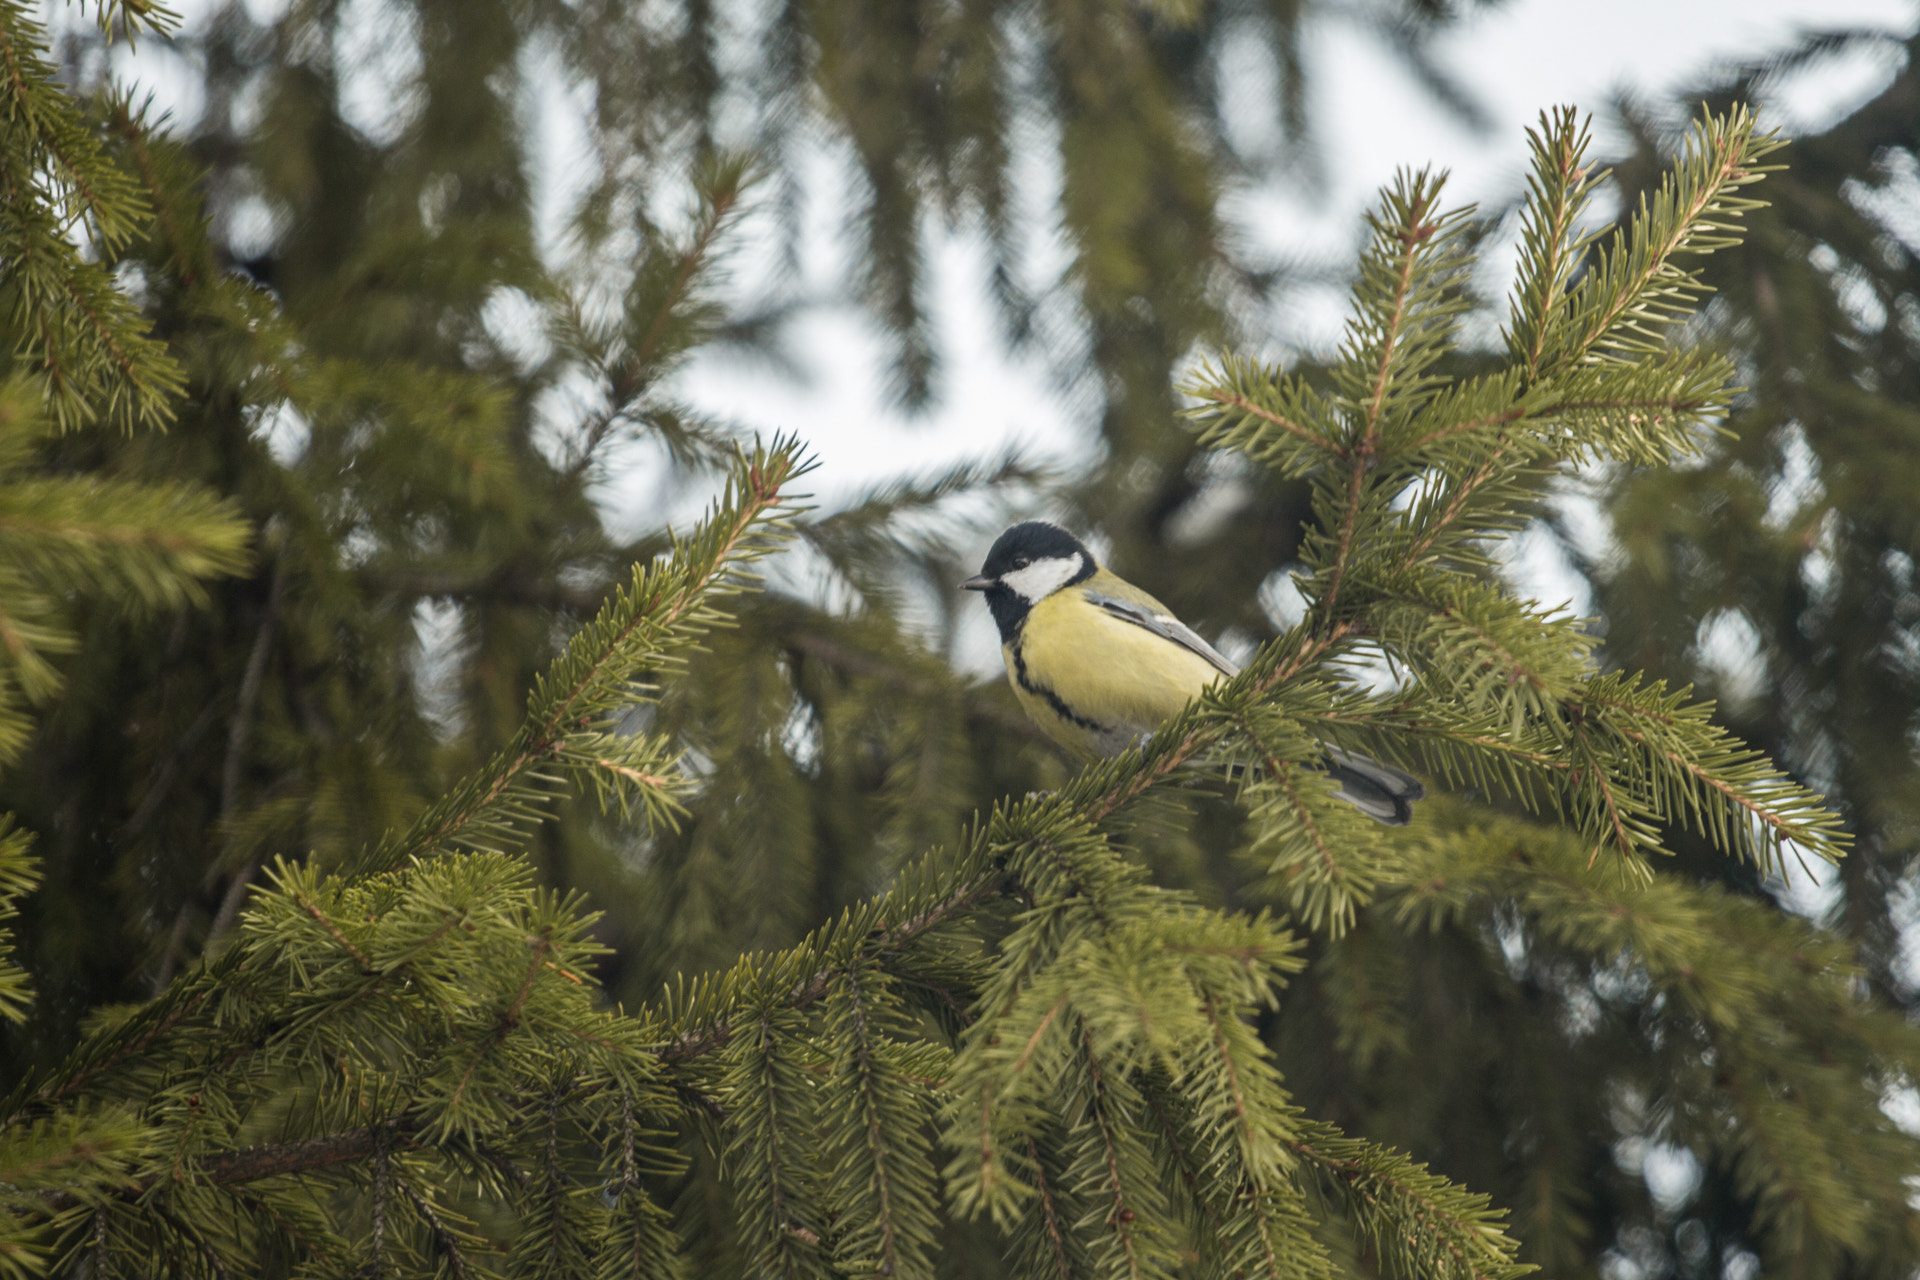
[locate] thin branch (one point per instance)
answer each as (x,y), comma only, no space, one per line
(641,355)
(700,1041)
(1426,1212)
(1559,224)
(1456,505)
(1287,425)
(1471,425)
(442,1235)
(1728,791)
(1199,740)
(1657,257)
(136,139)
(760,492)
(237,738)
(877,1147)
(1056,1233)
(1121,1219)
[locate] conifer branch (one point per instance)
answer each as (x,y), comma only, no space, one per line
(1183,747)
(875,1131)
(1623,842)
(773,1119)
(1411,229)
(443,1237)
(91,344)
(1459,498)
(1120,1217)
(307,1155)
(1186,1160)
(190,257)
(1585,379)
(663,607)
(1641,287)
(1428,1226)
(153,1023)
(1559,186)
(966,893)
(313,1244)
(1769,816)
(1225,1053)
(1233,400)
(1474,426)
(645,358)
(1054,1228)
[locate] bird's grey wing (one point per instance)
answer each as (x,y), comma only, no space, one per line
(1164,625)
(1380,791)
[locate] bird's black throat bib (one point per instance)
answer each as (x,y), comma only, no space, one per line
(1009,611)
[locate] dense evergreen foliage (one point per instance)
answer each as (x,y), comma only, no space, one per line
(1777,574)
(315,987)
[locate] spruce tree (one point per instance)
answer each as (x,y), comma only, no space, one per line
(400,1065)
(395,1061)
(1772,573)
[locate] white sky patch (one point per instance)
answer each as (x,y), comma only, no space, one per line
(1281,601)
(251,227)
(439,629)
(378,63)
(283,429)
(556,114)
(1810,887)
(800,736)
(1895,202)
(1817,96)
(1901,1104)
(1855,294)
(1727,649)
(1536,565)
(990,404)
(1797,485)
(1672,1174)
(1584,518)
(518,326)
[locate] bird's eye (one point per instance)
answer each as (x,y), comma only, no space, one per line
(1021,562)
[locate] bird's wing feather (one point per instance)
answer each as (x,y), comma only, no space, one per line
(1164,625)
(1380,791)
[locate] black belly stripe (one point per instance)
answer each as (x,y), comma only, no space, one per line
(1054,700)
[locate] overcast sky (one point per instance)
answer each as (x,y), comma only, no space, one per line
(1370,118)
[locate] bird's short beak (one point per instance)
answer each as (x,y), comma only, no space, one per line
(978,582)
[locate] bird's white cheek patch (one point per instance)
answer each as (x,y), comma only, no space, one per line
(1043,577)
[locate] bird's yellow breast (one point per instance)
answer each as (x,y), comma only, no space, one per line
(1095,682)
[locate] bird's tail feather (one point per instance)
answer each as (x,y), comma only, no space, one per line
(1380,791)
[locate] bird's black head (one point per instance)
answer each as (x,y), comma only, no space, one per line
(1028,563)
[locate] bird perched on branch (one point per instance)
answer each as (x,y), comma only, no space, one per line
(1098,663)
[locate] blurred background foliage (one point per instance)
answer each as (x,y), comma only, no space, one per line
(421,401)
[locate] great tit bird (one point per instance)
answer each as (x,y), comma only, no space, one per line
(1098,663)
